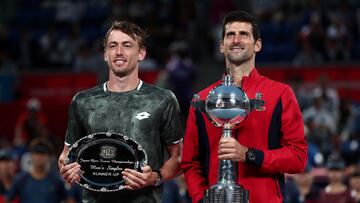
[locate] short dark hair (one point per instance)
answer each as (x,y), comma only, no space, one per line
(42,146)
(241,16)
(129,28)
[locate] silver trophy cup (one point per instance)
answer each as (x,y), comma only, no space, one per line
(227,106)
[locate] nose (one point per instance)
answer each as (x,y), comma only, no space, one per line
(237,38)
(119,50)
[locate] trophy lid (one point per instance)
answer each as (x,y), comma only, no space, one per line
(227,103)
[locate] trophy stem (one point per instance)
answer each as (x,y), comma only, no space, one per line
(226,172)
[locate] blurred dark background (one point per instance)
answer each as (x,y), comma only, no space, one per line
(51,49)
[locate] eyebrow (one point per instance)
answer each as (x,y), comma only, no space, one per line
(123,42)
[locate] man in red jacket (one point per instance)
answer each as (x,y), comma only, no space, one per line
(268,144)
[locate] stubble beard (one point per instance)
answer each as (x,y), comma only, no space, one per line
(238,58)
(122,72)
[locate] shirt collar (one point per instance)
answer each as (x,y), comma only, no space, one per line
(137,88)
(251,80)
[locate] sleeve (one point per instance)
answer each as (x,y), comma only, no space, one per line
(292,156)
(171,131)
(75,129)
(190,163)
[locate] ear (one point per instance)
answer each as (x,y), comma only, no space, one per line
(221,46)
(105,56)
(258,45)
(142,54)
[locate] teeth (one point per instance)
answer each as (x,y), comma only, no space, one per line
(237,48)
(119,61)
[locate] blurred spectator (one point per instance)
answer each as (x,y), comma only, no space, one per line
(139,9)
(8,67)
(321,125)
(99,62)
(350,149)
(308,191)
(70,44)
(350,133)
(171,192)
(292,192)
(148,64)
(336,191)
(175,191)
(26,45)
(83,60)
(316,158)
(8,10)
(338,40)
(31,123)
(355,185)
(8,77)
(302,95)
(7,173)
(40,184)
(75,193)
(307,55)
(183,192)
(49,55)
(118,9)
(329,96)
(348,116)
(69,11)
(314,33)
(181,75)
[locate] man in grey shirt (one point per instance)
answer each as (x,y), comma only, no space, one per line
(124,104)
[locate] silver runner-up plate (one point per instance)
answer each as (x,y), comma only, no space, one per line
(102,157)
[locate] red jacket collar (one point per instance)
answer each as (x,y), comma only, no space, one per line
(251,80)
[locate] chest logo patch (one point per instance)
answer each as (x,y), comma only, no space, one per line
(258,96)
(142,115)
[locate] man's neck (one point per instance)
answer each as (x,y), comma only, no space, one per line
(122,84)
(238,72)
(39,173)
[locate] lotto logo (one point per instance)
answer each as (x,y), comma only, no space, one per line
(142,115)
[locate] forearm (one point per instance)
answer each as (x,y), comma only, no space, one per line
(287,159)
(63,155)
(171,168)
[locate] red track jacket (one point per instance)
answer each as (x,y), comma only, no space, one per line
(276,132)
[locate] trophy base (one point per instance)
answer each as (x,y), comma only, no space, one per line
(221,193)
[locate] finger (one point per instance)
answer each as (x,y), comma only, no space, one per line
(228,144)
(146,169)
(66,174)
(131,183)
(223,150)
(75,177)
(67,167)
(224,140)
(135,173)
(140,180)
(69,176)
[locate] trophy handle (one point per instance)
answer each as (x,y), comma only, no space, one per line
(200,106)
